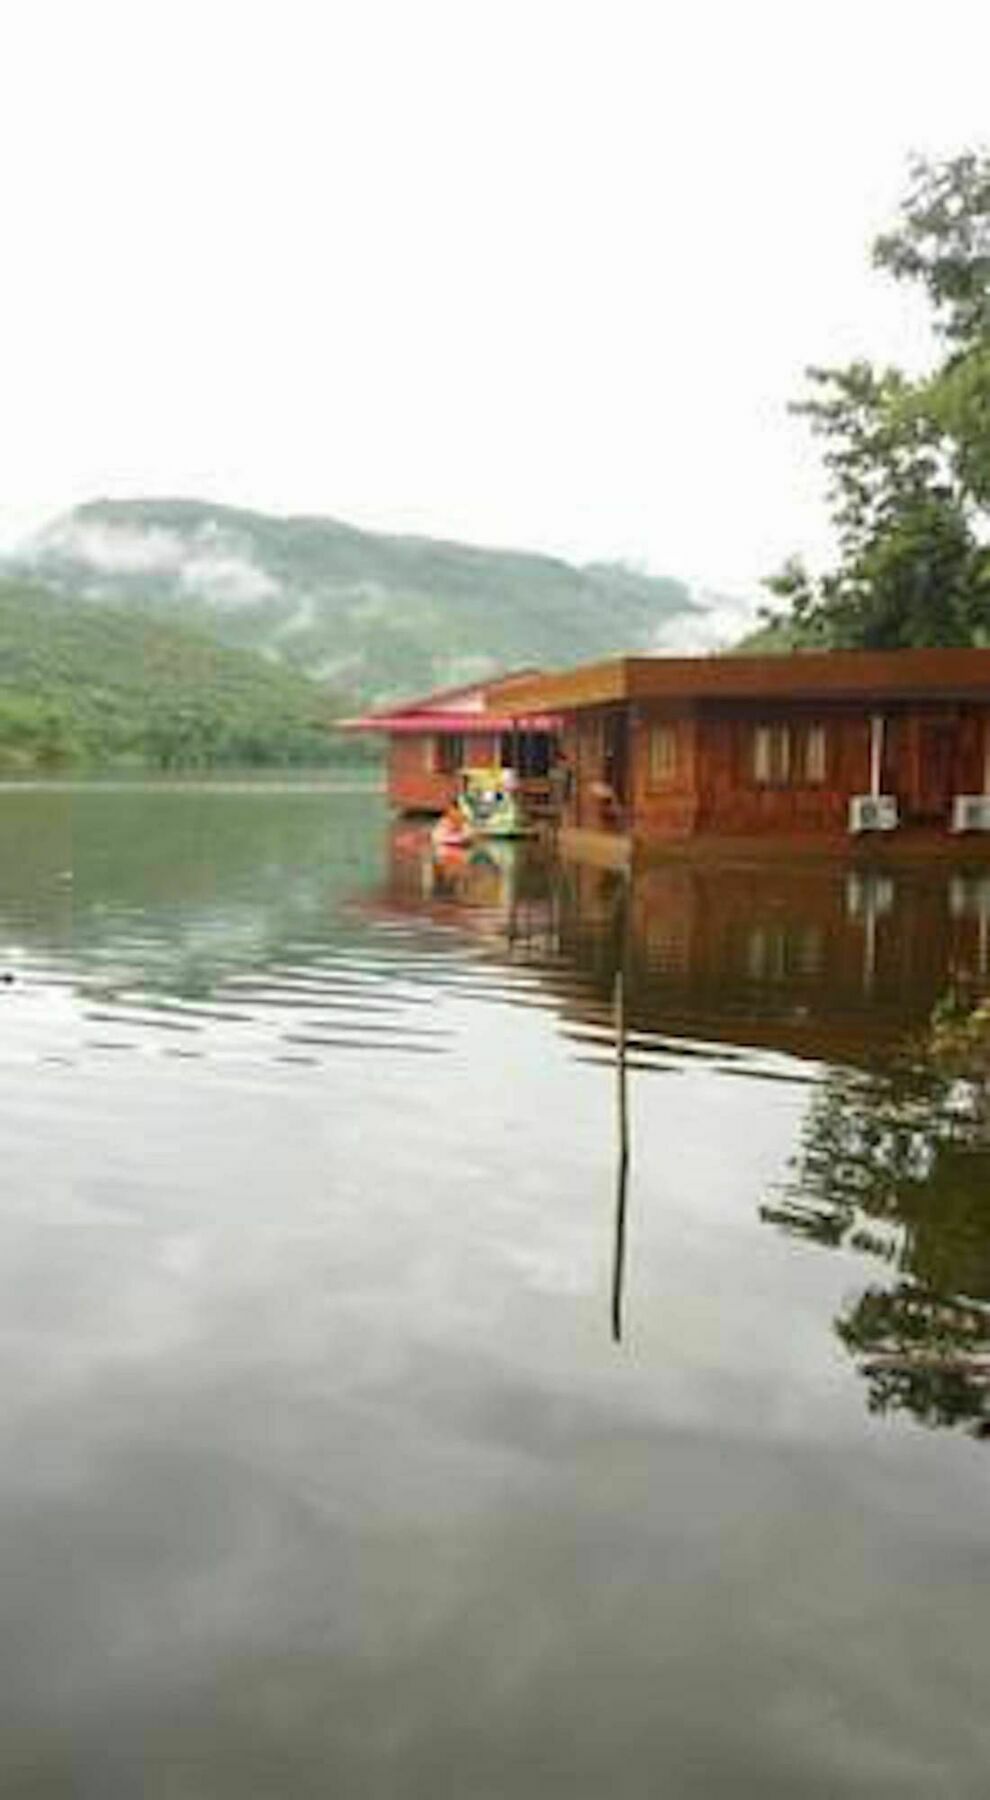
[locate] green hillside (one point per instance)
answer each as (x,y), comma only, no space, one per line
(86,684)
(380,616)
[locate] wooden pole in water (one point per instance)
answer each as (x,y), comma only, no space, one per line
(622,1110)
(509,877)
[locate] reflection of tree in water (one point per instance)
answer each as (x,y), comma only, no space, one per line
(897,1168)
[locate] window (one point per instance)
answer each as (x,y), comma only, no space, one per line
(814,754)
(771,754)
(539,754)
(448,753)
(528,752)
(663,753)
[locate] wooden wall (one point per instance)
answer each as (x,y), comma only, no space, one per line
(665,805)
(710,784)
(732,800)
(415,784)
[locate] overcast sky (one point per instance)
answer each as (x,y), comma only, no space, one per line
(541,273)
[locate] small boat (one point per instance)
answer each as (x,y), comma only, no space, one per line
(491,804)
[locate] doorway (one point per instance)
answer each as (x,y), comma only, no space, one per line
(615,760)
(936,768)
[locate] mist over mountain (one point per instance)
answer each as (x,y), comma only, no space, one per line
(366,613)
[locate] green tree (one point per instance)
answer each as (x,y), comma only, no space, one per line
(908,460)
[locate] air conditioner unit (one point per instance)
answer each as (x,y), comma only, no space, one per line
(971,812)
(873,812)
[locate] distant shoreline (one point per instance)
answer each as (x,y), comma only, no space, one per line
(245,783)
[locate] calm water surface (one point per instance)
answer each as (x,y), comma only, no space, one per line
(364,1433)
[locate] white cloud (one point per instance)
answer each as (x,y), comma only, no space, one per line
(227,579)
(110,549)
(204,563)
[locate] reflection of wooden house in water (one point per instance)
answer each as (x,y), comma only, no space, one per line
(430,740)
(811,748)
(814,960)
(817,960)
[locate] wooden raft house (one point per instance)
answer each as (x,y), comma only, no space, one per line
(432,739)
(809,749)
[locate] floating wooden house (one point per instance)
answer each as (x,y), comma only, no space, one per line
(814,748)
(430,741)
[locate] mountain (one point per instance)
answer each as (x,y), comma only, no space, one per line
(375,615)
(87,683)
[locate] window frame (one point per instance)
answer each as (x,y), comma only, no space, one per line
(775,768)
(662,772)
(814,762)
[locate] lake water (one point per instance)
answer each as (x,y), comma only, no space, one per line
(366,1430)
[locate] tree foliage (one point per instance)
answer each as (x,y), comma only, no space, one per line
(82,684)
(908,460)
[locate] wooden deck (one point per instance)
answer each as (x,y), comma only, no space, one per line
(623,850)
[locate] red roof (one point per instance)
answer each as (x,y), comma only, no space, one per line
(463,709)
